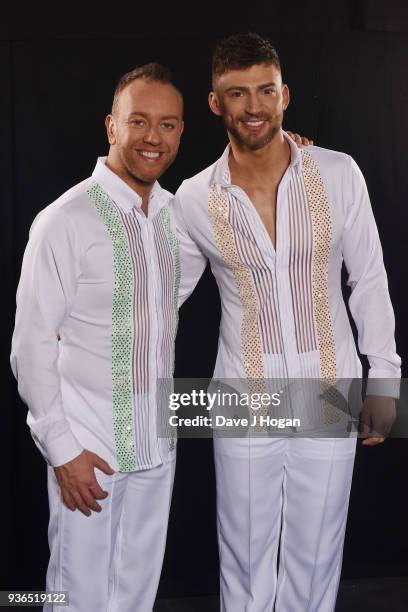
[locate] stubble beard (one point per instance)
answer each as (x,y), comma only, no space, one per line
(134,172)
(251,143)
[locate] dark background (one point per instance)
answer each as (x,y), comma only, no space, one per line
(346,64)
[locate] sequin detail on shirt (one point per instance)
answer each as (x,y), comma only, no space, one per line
(322,236)
(122,331)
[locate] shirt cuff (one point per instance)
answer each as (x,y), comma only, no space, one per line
(382,383)
(60,450)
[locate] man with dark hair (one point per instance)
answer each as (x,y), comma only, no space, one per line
(276,224)
(88,346)
(242,51)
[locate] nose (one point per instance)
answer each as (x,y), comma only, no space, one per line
(152,136)
(253,106)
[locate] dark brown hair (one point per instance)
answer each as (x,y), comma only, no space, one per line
(238,51)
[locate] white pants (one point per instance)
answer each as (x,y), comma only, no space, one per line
(111,561)
(286,493)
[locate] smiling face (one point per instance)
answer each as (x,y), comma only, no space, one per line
(251,102)
(144,130)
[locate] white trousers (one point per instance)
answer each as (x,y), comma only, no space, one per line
(111,561)
(289,494)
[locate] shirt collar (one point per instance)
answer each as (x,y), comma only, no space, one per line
(222,175)
(119,191)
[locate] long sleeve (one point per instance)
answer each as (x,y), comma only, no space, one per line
(192,259)
(47,287)
(370,303)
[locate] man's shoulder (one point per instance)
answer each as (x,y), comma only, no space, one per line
(328,157)
(168,196)
(198,183)
(66,206)
(336,167)
(73,197)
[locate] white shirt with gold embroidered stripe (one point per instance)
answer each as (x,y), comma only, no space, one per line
(283,313)
(103,277)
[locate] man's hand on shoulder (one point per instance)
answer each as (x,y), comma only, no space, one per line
(300,140)
(78,483)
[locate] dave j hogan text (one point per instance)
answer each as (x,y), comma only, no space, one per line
(222,421)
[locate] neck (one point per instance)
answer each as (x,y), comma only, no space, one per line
(142,189)
(271,159)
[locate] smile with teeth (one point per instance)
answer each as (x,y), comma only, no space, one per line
(254,124)
(150,156)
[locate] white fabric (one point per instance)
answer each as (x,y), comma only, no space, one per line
(301,484)
(65,290)
(289,490)
(355,241)
(111,561)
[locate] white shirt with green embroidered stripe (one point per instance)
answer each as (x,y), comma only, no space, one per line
(282,310)
(95,323)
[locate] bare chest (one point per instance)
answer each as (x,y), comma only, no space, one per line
(264,201)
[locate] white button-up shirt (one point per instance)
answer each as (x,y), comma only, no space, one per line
(96,321)
(283,313)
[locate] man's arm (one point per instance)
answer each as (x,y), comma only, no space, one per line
(47,288)
(370,303)
(192,259)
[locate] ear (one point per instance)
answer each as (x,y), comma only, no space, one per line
(181,128)
(214,103)
(110,129)
(285,96)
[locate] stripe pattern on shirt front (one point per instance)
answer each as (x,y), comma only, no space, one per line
(308,241)
(300,240)
(167,247)
(141,335)
(300,264)
(262,275)
(146,278)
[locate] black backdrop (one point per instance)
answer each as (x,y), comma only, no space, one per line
(347,70)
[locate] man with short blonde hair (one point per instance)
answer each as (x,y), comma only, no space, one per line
(88,347)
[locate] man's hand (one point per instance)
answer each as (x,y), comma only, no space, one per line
(300,140)
(377,418)
(78,483)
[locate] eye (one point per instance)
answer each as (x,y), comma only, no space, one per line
(137,122)
(237,93)
(168,126)
(269,91)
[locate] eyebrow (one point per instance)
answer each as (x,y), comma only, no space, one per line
(240,88)
(145,115)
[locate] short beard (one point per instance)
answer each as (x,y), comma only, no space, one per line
(253,145)
(144,180)
(131,171)
(249,144)
(139,179)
